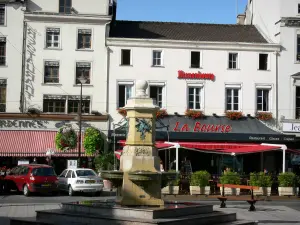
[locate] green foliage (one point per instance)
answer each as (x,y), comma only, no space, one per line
(65,139)
(176,181)
(230,178)
(93,141)
(260,179)
(104,161)
(200,178)
(287,179)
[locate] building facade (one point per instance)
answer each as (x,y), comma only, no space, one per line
(281,24)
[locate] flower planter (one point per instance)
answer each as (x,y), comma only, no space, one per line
(284,191)
(196,190)
(231,191)
(107,184)
(170,190)
(265,191)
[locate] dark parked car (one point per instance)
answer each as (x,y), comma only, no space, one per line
(32,178)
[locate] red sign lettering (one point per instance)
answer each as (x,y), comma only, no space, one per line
(199,75)
(198,127)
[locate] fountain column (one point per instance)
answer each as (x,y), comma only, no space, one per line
(140,162)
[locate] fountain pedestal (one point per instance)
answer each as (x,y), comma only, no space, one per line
(140,162)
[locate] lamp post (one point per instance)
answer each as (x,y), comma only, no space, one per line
(82,81)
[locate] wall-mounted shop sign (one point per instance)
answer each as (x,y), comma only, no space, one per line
(291,127)
(23,124)
(197,76)
(199,127)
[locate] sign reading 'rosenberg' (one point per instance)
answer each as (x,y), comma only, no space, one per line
(196,76)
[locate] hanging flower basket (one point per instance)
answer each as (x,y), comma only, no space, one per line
(234,115)
(264,116)
(66,139)
(93,141)
(161,113)
(122,111)
(194,114)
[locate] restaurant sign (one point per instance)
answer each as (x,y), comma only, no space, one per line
(196,76)
(199,127)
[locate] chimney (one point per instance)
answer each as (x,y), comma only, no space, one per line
(113,9)
(241,19)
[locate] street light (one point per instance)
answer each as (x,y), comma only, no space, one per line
(82,81)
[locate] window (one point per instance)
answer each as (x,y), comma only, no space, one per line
(2,51)
(195,59)
(44,172)
(232,99)
(83,69)
(298,8)
(2,14)
(126,57)
(73,175)
(157,58)
(63,174)
(51,72)
(194,97)
(69,174)
(54,104)
(65,6)
(125,92)
(85,173)
(84,39)
(298,48)
(262,100)
(297,113)
(263,61)
(73,104)
(53,38)
(156,92)
(233,61)
(3,84)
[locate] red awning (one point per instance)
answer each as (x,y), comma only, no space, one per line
(31,144)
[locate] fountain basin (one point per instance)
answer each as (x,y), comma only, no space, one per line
(114,176)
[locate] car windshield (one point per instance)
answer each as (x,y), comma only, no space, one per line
(43,171)
(85,173)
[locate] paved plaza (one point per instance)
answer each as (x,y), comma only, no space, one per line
(265,214)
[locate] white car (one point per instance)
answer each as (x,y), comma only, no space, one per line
(80,180)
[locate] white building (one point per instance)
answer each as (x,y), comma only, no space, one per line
(227,61)
(280,24)
(11,42)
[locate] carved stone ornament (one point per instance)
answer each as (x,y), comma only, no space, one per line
(137,151)
(143,126)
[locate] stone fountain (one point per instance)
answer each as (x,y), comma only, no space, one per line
(138,182)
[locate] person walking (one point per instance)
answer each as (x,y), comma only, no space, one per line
(161,166)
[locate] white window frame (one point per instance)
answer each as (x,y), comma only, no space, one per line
(121,56)
(161,57)
(126,83)
(201,59)
(269,61)
(92,39)
(298,12)
(59,39)
(297,33)
(295,82)
(91,73)
(5,15)
(202,92)
(6,61)
(237,61)
(164,91)
(51,60)
(233,86)
(264,87)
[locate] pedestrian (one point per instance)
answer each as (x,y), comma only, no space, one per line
(34,161)
(161,166)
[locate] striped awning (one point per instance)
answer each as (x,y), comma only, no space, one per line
(31,144)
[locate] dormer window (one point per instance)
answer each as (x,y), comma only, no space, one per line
(65,6)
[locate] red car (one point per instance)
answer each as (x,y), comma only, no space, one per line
(32,178)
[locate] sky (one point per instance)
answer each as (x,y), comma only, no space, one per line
(195,11)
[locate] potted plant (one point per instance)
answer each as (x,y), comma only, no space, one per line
(233,115)
(105,161)
(93,141)
(230,177)
(194,114)
(263,181)
(173,186)
(66,138)
(286,183)
(264,116)
(199,184)
(122,111)
(161,113)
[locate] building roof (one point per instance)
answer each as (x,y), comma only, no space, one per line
(186,31)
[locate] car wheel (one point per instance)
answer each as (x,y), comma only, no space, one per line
(71,192)
(6,187)
(26,191)
(98,193)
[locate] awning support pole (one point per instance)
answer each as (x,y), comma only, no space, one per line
(177,148)
(283,161)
